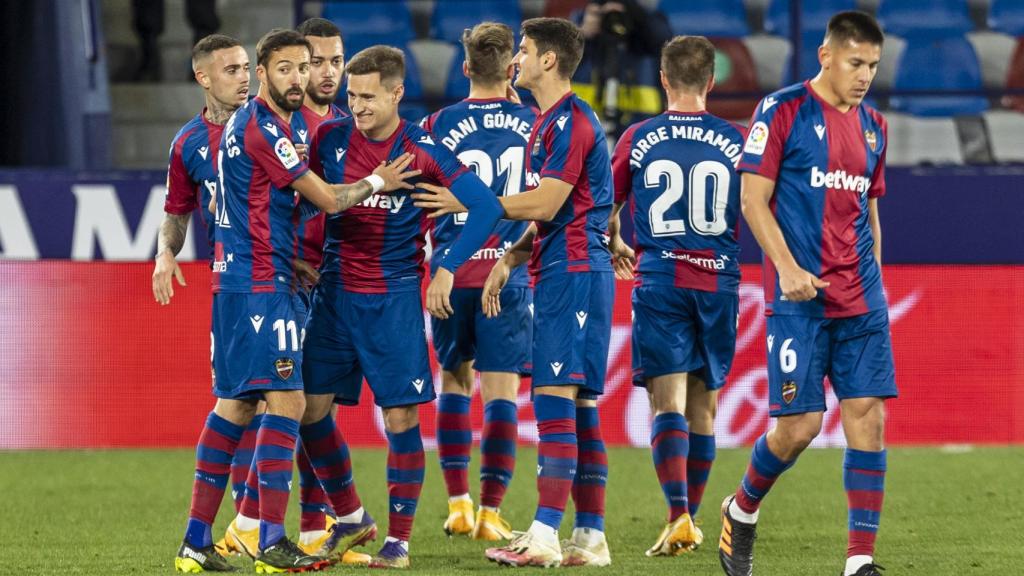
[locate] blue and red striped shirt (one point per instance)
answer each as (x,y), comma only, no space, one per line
(826,165)
(255,220)
(192,170)
(568,144)
(311,231)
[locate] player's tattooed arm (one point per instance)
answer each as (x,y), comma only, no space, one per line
(334,198)
(169,243)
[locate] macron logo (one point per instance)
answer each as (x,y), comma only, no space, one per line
(302,135)
(269,127)
(399,507)
(339,153)
(257,322)
(204,151)
(820,130)
(426,140)
(768,103)
(561,122)
(556,367)
(839,180)
(771,342)
(418,385)
(581,317)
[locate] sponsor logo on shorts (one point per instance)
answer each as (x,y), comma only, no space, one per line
(788,391)
(581,317)
(556,367)
(418,385)
(285,367)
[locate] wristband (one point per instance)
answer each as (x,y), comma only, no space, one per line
(376,182)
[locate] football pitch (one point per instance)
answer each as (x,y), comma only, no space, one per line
(124,511)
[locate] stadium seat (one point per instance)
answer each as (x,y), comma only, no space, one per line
(1005,129)
(1015,78)
(919,68)
(994,50)
(451,17)
(914,141)
(809,65)
(434,57)
(563,8)
(814,15)
(1007,16)
(457,85)
(721,18)
(373,22)
(769,54)
(932,18)
(734,72)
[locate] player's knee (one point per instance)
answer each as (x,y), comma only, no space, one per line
(795,433)
(499,386)
(318,406)
(238,412)
(398,419)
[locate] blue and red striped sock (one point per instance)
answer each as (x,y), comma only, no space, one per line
(275,457)
(864,481)
(556,456)
(670,444)
(242,460)
(698,468)
(454,441)
(217,444)
(405,480)
(764,469)
(591,471)
(497,451)
(312,498)
(328,452)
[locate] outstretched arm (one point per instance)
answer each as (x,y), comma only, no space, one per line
(170,241)
(334,198)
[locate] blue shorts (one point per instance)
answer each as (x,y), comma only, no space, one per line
(500,344)
(572,326)
(350,335)
(256,344)
(855,353)
(683,330)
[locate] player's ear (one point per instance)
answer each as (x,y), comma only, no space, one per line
(510,72)
(465,68)
(549,60)
(711,84)
(825,56)
(261,73)
(664,81)
(398,92)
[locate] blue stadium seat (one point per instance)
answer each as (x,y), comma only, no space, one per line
(919,69)
(809,65)
(1007,16)
(457,85)
(451,17)
(932,18)
(814,15)
(722,18)
(373,22)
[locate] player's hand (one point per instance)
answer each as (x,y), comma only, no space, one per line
(303,151)
(799,285)
(437,199)
(163,288)
(395,174)
(623,258)
(439,292)
(496,280)
(306,276)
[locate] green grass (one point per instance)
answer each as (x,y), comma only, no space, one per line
(123,512)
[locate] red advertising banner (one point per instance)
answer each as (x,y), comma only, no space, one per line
(90,360)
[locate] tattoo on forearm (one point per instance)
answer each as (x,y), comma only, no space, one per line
(348,195)
(172,233)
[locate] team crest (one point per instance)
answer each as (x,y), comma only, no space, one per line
(871,139)
(285,367)
(788,391)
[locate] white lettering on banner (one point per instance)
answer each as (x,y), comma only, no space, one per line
(100,222)
(16,239)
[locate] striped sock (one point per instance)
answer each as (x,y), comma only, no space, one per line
(698,468)
(556,456)
(217,443)
(312,498)
(242,461)
(329,455)
(497,451)
(670,444)
(275,457)
(591,472)
(764,469)
(454,441)
(250,504)
(864,481)
(405,480)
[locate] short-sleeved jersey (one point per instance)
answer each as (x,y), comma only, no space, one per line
(255,221)
(678,171)
(311,231)
(376,246)
(568,144)
(489,136)
(192,170)
(826,164)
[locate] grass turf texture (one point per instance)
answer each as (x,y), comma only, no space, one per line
(124,512)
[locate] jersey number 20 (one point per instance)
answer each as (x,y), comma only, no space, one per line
(704,175)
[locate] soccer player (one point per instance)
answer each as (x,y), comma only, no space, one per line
(222,68)
(255,327)
(569,198)
(813,169)
(488,133)
(678,171)
(366,317)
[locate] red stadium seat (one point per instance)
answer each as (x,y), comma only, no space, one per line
(563,8)
(1015,77)
(734,72)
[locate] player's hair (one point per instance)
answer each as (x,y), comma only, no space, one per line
(319,28)
(388,61)
(210,44)
(489,47)
(275,40)
(856,26)
(559,36)
(688,62)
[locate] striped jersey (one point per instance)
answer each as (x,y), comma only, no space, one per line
(192,170)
